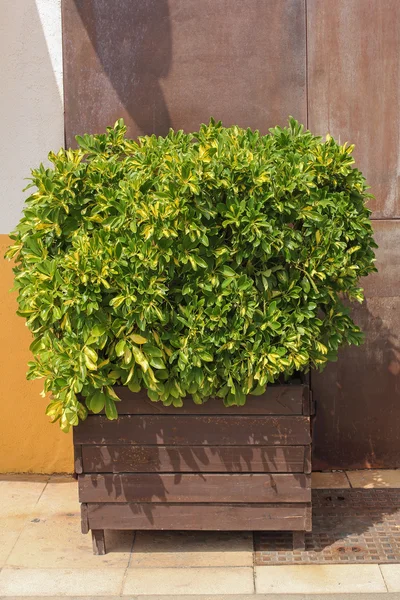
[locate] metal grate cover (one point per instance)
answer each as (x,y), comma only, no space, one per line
(349,526)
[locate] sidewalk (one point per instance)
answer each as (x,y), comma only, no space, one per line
(43,553)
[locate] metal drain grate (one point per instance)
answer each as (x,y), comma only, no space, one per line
(349,526)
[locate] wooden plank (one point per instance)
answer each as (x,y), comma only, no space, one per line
(98,542)
(308,524)
(299,540)
(307,459)
(306,399)
(277,400)
(170,488)
(195,430)
(202,517)
(84,518)
(78,466)
(196,459)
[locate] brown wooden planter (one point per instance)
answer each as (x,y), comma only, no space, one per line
(198,467)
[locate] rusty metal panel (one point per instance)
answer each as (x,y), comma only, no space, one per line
(358,398)
(354,87)
(175,63)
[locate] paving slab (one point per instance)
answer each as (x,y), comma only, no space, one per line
(361,596)
(192,549)
(391,575)
(59,543)
(319,579)
(336,480)
(375,478)
(18,496)
(52,535)
(60,582)
(59,497)
(177,582)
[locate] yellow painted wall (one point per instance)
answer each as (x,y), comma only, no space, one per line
(29,443)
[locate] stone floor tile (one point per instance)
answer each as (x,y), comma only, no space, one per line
(207,580)
(192,549)
(336,480)
(362,596)
(391,575)
(8,538)
(319,579)
(60,496)
(24,477)
(60,582)
(18,496)
(56,541)
(375,478)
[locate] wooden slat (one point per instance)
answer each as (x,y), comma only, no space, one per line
(203,517)
(154,487)
(306,401)
(307,459)
(277,400)
(78,467)
(194,430)
(185,459)
(84,518)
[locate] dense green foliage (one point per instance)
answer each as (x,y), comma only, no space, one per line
(204,264)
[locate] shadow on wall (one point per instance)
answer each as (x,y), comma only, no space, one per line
(350,431)
(134,45)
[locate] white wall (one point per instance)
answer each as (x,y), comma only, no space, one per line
(31,96)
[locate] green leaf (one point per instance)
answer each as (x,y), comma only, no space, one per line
(154,396)
(227,271)
(140,359)
(305,284)
(157,363)
(111,410)
(120,348)
(91,354)
(89,363)
(127,355)
(134,386)
(152,350)
(259,390)
(97,402)
(202,263)
(138,339)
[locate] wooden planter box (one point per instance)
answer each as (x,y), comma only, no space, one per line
(198,467)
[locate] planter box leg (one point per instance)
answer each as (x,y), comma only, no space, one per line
(99,544)
(299,540)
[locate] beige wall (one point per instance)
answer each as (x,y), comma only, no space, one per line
(32,123)
(31,98)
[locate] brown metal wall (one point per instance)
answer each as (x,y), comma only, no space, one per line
(354,93)
(174,63)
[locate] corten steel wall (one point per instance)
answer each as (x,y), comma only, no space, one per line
(333,64)
(354,93)
(175,63)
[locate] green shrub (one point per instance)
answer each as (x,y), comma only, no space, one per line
(205,264)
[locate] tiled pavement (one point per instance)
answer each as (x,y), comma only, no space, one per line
(42,552)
